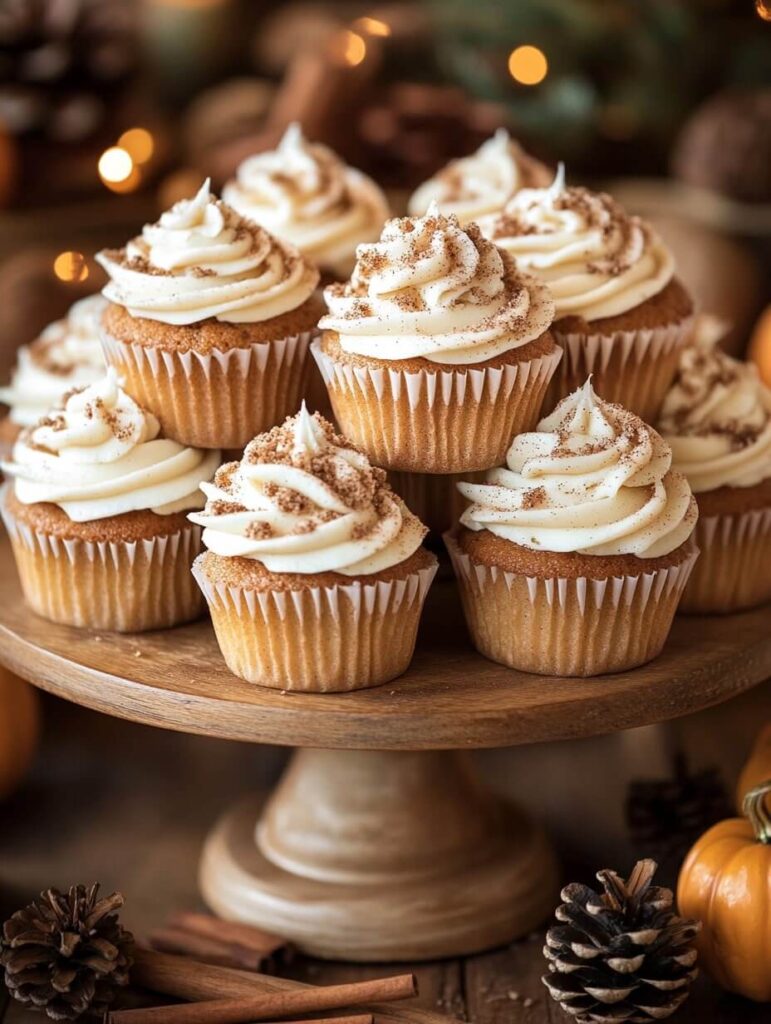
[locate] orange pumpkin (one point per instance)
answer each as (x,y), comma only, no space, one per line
(760,345)
(19,729)
(758,767)
(725,883)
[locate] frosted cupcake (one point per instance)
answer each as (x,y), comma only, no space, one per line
(480,185)
(621,314)
(97,514)
(315,574)
(66,355)
(438,348)
(304,194)
(209,322)
(717,419)
(572,557)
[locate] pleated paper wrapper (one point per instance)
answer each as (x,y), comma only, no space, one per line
(734,568)
(568,627)
(319,639)
(631,368)
(216,399)
(123,586)
(434,497)
(436,421)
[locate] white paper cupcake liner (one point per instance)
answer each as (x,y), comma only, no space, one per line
(215,399)
(112,585)
(319,639)
(568,627)
(443,421)
(631,368)
(734,569)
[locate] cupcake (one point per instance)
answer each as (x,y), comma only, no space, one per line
(304,194)
(481,184)
(209,322)
(572,557)
(438,348)
(97,517)
(315,575)
(67,354)
(717,419)
(621,314)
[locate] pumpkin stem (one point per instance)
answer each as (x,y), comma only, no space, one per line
(757,810)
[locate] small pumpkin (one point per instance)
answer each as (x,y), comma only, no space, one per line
(759,350)
(19,729)
(757,768)
(725,882)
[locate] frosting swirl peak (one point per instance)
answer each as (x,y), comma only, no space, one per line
(598,260)
(303,500)
(592,479)
(98,454)
(482,183)
(305,194)
(430,288)
(717,418)
(202,260)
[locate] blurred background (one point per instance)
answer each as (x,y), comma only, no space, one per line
(112,109)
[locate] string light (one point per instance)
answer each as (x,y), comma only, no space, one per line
(118,170)
(372,26)
(349,48)
(528,65)
(138,143)
(71,267)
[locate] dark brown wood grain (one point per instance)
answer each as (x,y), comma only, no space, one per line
(450,696)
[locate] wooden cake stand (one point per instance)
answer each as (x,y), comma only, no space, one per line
(379,842)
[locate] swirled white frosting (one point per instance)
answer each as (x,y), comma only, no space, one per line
(717,419)
(593,479)
(204,260)
(66,355)
(597,260)
(302,192)
(483,182)
(433,289)
(98,454)
(302,500)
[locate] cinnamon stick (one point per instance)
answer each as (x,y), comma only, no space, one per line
(246,935)
(206,948)
(272,1005)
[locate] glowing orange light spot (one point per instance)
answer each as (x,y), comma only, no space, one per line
(372,26)
(528,65)
(71,267)
(349,48)
(763,8)
(138,143)
(115,165)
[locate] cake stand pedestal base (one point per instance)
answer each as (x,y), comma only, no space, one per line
(363,855)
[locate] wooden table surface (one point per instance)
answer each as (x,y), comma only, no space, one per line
(130,805)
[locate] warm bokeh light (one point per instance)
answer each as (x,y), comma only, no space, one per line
(528,65)
(763,7)
(372,26)
(115,165)
(138,143)
(71,267)
(349,48)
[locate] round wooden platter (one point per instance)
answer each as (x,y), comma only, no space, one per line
(451,697)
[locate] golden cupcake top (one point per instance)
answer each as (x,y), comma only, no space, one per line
(98,453)
(431,288)
(303,499)
(717,419)
(200,260)
(67,354)
(592,478)
(597,260)
(483,182)
(304,193)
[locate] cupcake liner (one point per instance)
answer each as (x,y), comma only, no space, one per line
(434,497)
(123,586)
(568,627)
(320,639)
(443,421)
(631,368)
(734,569)
(215,399)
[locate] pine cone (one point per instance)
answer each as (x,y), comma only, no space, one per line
(620,955)
(66,953)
